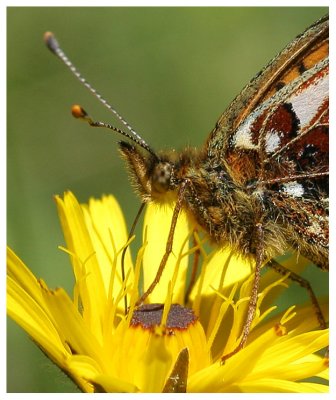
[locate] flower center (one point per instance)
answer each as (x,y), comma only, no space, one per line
(150,315)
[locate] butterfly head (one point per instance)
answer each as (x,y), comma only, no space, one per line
(153,177)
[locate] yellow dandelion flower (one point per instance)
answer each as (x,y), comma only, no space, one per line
(165,345)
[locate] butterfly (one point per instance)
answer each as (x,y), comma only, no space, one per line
(259,185)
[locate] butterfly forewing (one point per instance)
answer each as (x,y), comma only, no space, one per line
(275,143)
(303,52)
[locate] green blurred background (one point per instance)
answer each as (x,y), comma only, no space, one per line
(170,71)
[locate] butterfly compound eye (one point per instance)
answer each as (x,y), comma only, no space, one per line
(161,177)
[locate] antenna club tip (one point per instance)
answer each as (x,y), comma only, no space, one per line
(78,112)
(51,41)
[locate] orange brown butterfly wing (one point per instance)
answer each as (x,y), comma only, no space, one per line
(274,139)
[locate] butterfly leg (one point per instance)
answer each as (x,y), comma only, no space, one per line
(254,292)
(303,283)
(169,245)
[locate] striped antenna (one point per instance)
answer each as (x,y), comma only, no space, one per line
(54,47)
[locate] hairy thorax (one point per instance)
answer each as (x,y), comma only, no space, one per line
(228,214)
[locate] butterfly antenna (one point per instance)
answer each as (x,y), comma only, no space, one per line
(79,112)
(54,47)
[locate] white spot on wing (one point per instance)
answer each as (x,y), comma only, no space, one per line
(272,141)
(293,189)
(243,136)
(306,102)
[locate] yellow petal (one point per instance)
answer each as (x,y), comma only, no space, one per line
(281,386)
(292,348)
(154,366)
(223,270)
(108,233)
(35,321)
(110,384)
(156,228)
(85,264)
(220,378)
(19,273)
(71,324)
